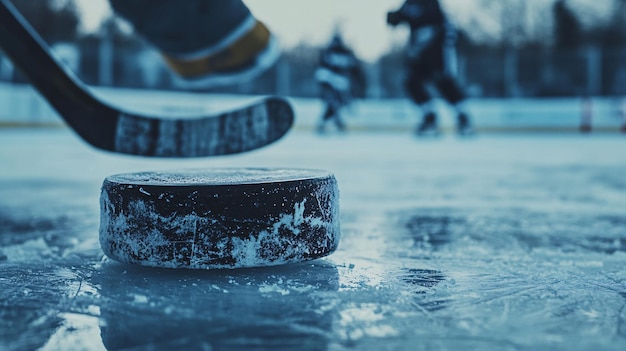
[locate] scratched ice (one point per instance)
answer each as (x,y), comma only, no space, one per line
(491,243)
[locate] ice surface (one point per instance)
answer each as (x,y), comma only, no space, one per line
(490,243)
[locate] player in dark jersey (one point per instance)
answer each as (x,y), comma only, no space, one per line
(431,59)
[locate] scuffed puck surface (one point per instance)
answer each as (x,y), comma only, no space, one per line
(219,218)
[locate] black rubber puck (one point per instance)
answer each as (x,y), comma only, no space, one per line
(219,218)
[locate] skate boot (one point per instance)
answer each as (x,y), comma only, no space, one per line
(239,60)
(341,126)
(205,43)
(321,127)
(464,128)
(428,127)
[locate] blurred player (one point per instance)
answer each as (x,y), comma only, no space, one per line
(431,60)
(204,42)
(338,68)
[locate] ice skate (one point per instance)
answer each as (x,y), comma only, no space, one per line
(341,126)
(321,128)
(239,57)
(428,127)
(464,127)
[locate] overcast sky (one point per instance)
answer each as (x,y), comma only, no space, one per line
(362,21)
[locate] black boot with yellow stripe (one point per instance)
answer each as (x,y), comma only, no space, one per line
(239,59)
(205,43)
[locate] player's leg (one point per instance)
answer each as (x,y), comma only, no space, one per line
(339,123)
(415,86)
(326,95)
(343,99)
(204,42)
(452,92)
(328,114)
(445,64)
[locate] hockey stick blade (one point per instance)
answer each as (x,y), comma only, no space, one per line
(107,128)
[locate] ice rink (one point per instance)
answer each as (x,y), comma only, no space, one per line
(496,242)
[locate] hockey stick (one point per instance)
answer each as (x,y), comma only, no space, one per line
(108,128)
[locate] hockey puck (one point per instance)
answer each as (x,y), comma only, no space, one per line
(219,218)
